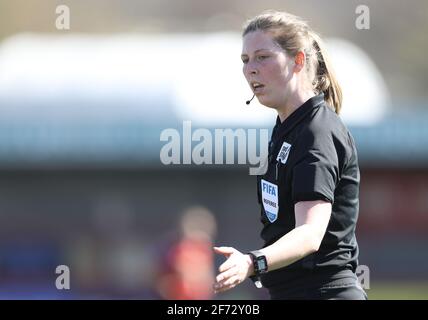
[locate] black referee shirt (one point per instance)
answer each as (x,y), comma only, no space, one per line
(312,156)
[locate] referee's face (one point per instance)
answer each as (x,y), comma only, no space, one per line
(267,68)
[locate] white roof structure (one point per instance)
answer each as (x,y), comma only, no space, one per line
(154,78)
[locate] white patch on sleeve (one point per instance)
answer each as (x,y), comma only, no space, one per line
(283,153)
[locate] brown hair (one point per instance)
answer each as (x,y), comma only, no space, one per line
(293,35)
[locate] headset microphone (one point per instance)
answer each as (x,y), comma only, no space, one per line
(248,101)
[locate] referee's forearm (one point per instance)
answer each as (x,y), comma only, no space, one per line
(292,247)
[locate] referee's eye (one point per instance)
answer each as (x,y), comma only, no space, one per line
(244,58)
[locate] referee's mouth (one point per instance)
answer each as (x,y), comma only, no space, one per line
(257,86)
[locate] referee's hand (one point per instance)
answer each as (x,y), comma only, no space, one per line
(234,270)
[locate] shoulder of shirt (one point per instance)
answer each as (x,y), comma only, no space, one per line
(324,126)
(326,122)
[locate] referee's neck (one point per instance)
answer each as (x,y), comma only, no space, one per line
(293,104)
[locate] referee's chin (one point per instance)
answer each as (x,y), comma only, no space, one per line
(264,101)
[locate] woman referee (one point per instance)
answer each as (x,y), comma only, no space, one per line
(309,193)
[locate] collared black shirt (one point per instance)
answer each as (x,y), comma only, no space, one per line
(312,156)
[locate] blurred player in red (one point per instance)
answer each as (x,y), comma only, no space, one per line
(187,268)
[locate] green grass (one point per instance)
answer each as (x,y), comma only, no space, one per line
(398,291)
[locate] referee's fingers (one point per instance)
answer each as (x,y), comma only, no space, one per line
(226,274)
(232,281)
(226,266)
(226,285)
(226,251)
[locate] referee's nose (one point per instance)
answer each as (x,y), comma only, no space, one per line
(250,71)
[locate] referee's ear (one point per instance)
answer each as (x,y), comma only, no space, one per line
(299,61)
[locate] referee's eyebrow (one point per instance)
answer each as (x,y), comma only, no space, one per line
(244,54)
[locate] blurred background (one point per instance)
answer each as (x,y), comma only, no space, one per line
(83,103)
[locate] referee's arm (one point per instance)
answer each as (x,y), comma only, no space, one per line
(312,218)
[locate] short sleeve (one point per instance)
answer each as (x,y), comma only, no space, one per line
(315,172)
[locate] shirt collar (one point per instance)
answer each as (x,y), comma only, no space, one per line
(298,114)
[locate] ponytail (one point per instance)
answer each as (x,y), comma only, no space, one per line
(325,79)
